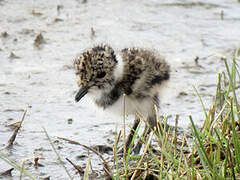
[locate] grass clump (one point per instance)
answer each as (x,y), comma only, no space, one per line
(210,152)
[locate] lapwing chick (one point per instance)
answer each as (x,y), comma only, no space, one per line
(106,75)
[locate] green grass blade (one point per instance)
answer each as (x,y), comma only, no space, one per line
(199,143)
(236,141)
(231,84)
(132,143)
(203,106)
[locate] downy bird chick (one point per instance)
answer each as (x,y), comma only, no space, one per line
(106,75)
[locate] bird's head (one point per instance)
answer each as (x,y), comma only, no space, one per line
(94,69)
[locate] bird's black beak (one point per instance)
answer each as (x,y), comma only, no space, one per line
(82,92)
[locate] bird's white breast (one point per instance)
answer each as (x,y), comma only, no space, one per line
(132,106)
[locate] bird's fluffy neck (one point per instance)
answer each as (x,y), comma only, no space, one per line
(118,71)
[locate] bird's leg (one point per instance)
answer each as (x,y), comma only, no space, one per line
(151,123)
(130,136)
(138,146)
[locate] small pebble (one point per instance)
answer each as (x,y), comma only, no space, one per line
(70,121)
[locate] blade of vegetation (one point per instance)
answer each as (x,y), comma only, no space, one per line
(131,145)
(200,146)
(86,176)
(16,166)
(57,154)
(117,137)
(203,106)
(124,136)
(236,141)
(22,168)
(231,81)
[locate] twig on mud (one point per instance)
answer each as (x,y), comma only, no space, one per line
(106,167)
(78,168)
(7,172)
(93,33)
(46,178)
(13,137)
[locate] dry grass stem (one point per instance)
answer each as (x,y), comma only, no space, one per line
(105,163)
(77,167)
(86,174)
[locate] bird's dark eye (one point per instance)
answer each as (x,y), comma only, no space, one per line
(101,75)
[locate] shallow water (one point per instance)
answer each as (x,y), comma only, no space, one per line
(43,78)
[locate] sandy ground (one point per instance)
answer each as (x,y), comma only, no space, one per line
(37,73)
